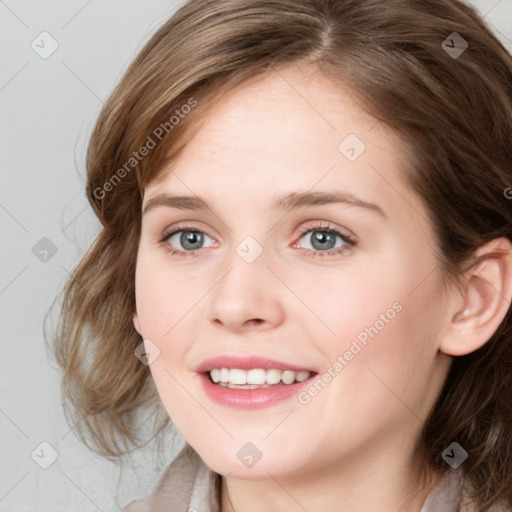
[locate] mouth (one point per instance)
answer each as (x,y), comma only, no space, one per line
(256,378)
(252,382)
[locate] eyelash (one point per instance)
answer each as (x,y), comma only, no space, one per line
(349,241)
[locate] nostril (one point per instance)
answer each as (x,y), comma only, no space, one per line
(256,321)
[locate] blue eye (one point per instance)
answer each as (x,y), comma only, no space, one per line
(325,240)
(190,240)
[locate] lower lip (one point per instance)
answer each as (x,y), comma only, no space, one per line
(251,398)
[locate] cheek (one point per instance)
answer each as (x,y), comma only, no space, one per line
(162,298)
(343,302)
(168,309)
(396,357)
(382,321)
(152,308)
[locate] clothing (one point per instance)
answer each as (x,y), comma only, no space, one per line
(189,485)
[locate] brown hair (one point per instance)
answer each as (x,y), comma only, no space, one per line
(454,116)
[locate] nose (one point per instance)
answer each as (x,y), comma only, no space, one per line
(248,296)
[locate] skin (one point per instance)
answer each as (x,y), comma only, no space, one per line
(349,448)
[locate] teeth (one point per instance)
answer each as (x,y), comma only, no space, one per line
(273,376)
(256,377)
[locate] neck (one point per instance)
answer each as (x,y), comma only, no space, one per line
(394,488)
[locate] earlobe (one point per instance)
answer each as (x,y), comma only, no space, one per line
(486,300)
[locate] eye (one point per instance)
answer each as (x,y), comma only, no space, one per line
(326,240)
(189,239)
(323,239)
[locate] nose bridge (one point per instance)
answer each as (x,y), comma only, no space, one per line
(244,293)
(245,278)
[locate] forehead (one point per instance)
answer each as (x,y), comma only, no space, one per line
(282,108)
(291,129)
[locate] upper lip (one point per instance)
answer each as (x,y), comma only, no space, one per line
(248,363)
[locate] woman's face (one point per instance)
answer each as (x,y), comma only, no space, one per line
(267,269)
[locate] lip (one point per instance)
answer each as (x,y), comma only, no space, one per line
(250,398)
(248,363)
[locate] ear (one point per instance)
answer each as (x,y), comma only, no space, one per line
(135,318)
(477,312)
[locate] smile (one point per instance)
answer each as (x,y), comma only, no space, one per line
(237,378)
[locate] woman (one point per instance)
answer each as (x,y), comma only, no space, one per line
(305,258)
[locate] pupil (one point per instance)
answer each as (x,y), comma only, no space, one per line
(322,238)
(192,238)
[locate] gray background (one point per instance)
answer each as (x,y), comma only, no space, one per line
(47,111)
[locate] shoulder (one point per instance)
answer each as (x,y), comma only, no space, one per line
(186,484)
(447,494)
(452,494)
(468,505)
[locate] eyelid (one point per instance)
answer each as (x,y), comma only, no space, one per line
(328,226)
(310,225)
(349,239)
(180,226)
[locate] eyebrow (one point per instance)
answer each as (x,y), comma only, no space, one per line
(290,201)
